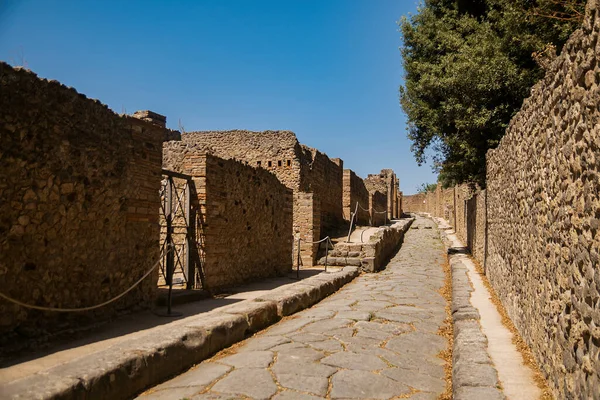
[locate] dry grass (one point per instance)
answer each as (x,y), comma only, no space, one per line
(517,340)
(447,330)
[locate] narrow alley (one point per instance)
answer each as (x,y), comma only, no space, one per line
(375,338)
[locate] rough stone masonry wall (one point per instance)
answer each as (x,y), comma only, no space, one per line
(462,193)
(414,203)
(324,177)
(477,225)
(377,204)
(247,216)
(79,205)
(544,217)
(275,151)
(355,191)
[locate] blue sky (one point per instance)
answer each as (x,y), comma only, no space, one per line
(329,70)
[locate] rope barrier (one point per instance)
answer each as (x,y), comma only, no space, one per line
(82,308)
(366,210)
(318,241)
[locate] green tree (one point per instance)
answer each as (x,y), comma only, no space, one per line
(427,187)
(469,64)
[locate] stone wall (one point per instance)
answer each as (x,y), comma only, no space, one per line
(324,177)
(79,205)
(544,213)
(300,168)
(414,203)
(246,216)
(462,193)
(385,182)
(377,205)
(355,192)
(307,228)
(477,225)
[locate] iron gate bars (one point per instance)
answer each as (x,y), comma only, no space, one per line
(179,231)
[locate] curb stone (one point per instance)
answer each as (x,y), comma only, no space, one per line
(127,368)
(474,376)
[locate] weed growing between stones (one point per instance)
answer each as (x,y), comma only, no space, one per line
(447,329)
(517,340)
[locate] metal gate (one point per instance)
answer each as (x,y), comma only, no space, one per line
(180,233)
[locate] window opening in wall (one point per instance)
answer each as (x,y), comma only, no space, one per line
(289,163)
(279,163)
(258,163)
(270,163)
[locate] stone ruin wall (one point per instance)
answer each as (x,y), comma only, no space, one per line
(299,167)
(274,151)
(476,226)
(73,170)
(324,177)
(462,193)
(355,191)
(378,202)
(544,217)
(386,182)
(414,203)
(246,215)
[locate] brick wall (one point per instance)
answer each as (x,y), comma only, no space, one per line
(78,204)
(377,205)
(246,214)
(355,192)
(414,203)
(324,177)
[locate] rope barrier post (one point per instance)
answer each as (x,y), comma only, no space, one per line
(298,265)
(351,222)
(326,252)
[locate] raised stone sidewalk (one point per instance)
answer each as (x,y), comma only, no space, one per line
(376,338)
(486,363)
(130,365)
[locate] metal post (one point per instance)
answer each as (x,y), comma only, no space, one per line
(327,252)
(298,266)
(189,237)
(170,245)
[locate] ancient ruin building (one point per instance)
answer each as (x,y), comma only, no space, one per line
(244,216)
(384,184)
(355,192)
(315,179)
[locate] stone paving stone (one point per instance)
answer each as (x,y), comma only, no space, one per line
(300,354)
(249,359)
(385,322)
(302,368)
(263,343)
(325,326)
(354,315)
(252,382)
(354,361)
(415,379)
(312,384)
(289,395)
(199,377)
(365,385)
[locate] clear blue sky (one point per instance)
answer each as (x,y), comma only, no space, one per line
(329,70)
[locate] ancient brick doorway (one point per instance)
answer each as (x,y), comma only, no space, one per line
(180,233)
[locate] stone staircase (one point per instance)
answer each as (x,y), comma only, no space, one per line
(371,255)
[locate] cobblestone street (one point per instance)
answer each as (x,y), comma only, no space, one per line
(376,338)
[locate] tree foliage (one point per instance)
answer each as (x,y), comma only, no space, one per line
(427,187)
(469,64)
